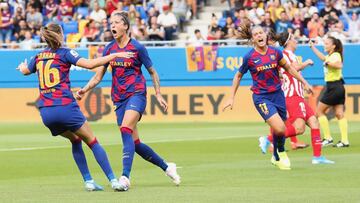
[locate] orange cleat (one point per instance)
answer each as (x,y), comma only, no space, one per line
(298,145)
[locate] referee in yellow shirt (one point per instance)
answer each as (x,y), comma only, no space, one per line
(334,95)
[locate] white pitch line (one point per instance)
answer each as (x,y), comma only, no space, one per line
(154,141)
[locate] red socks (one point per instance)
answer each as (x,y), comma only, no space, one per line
(290,130)
(316,142)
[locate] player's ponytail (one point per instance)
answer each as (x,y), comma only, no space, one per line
(245,30)
(52,34)
(338,46)
(282,38)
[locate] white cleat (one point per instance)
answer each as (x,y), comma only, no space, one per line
(172,173)
(124,183)
(90,185)
(115,185)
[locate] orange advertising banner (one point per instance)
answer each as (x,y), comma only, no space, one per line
(186,104)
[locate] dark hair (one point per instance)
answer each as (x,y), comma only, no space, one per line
(338,46)
(124,17)
(196,31)
(282,38)
(53,35)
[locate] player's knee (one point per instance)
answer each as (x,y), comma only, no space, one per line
(300,129)
(279,130)
(314,123)
(339,115)
(299,125)
(319,113)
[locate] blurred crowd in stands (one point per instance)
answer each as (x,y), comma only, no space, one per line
(86,21)
(305,19)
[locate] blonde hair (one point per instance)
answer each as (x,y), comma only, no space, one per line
(245,29)
(53,35)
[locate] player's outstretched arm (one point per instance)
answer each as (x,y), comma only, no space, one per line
(93,82)
(93,63)
(296,74)
(156,83)
(303,65)
(23,68)
(235,85)
(316,51)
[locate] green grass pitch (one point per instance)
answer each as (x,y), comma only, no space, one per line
(219,162)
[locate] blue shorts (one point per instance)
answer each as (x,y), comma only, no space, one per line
(135,102)
(270,104)
(60,119)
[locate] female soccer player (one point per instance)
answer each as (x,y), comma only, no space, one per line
(334,95)
(58,108)
(263,62)
(129,96)
(299,111)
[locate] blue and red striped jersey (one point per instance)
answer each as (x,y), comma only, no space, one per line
(264,70)
(53,67)
(127,77)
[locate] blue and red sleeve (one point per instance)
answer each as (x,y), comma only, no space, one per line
(245,65)
(32,65)
(144,56)
(72,56)
(107,52)
(279,54)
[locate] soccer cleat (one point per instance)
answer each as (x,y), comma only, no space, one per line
(321,160)
(298,145)
(264,144)
(172,173)
(124,183)
(90,185)
(284,161)
(273,161)
(279,164)
(341,144)
(115,185)
(326,142)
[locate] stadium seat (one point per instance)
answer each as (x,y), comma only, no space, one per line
(83,11)
(73,38)
(70,27)
(142,12)
(222,22)
(82,24)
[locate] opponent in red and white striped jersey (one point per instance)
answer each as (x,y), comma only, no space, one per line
(291,86)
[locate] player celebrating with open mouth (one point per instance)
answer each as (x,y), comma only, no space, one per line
(129,96)
(299,111)
(264,63)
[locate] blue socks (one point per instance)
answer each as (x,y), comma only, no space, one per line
(102,159)
(128,150)
(80,159)
(149,155)
(279,145)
